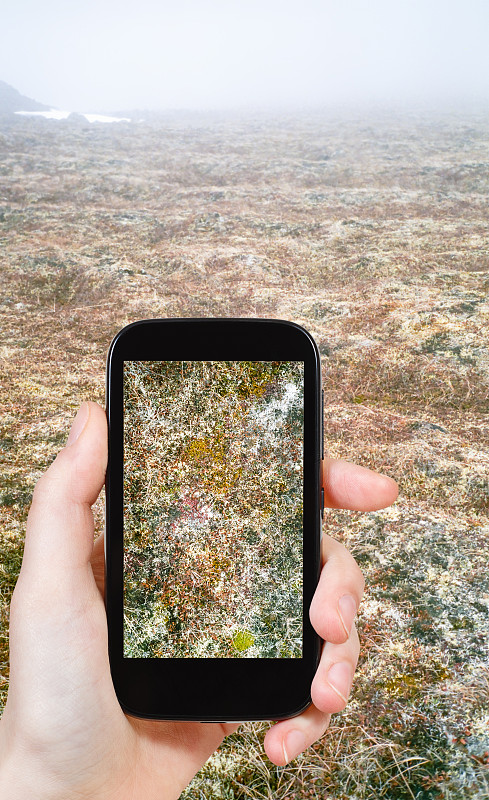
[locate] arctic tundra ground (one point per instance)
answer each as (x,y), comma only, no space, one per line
(372,232)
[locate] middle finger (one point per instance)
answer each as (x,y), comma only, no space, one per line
(338,593)
(334,676)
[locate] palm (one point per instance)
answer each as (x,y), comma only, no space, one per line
(165,753)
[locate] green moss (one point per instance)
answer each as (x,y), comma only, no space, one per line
(407,685)
(461,623)
(242,640)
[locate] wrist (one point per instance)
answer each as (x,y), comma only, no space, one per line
(21,781)
(25,774)
(20,778)
(18,781)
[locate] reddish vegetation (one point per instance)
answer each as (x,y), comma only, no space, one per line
(213,509)
(372,233)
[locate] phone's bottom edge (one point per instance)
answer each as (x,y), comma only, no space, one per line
(203,719)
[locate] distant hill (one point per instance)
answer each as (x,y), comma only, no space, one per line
(11,100)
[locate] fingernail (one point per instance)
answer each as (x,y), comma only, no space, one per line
(347,610)
(339,678)
(294,743)
(78,424)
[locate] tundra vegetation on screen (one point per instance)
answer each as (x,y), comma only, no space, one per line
(213,454)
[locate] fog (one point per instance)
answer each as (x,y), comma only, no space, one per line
(214,54)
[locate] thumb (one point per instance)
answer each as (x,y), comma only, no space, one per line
(59,535)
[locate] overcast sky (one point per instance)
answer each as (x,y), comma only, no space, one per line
(159,54)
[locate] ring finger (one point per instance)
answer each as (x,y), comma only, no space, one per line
(329,691)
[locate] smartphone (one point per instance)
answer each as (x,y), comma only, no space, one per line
(213,518)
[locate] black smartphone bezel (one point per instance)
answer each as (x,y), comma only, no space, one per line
(212,689)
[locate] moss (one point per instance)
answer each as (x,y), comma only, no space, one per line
(242,640)
(396,298)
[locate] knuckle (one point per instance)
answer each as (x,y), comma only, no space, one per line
(40,489)
(44,488)
(327,623)
(359,579)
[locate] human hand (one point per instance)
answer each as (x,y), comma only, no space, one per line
(63,733)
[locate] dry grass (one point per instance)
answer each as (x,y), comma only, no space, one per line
(213,509)
(372,233)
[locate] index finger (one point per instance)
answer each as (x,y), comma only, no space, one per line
(356,488)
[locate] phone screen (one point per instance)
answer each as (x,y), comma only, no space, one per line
(213,509)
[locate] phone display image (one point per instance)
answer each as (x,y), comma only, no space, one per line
(213,509)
